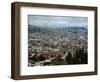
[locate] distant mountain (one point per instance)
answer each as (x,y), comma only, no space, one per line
(33,29)
(72,29)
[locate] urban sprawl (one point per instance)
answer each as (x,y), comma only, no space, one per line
(57,47)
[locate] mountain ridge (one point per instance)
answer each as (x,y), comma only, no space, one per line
(33,29)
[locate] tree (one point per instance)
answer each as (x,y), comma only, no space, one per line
(80,56)
(69,59)
(57,60)
(40,58)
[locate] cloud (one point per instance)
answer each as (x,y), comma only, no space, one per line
(57,21)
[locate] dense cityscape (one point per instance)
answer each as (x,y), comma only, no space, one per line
(52,46)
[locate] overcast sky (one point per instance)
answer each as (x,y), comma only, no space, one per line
(57,21)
